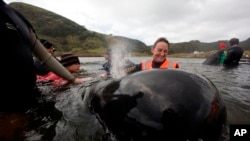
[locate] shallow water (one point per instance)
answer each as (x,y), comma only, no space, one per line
(233,85)
(65,113)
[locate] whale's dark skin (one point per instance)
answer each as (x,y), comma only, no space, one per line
(214,59)
(160,104)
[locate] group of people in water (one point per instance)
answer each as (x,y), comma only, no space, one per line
(72,64)
(18,39)
(70,61)
(226,56)
(159,59)
(21,41)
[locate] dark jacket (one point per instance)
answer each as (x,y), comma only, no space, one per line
(19,84)
(41,69)
(233,57)
(107,66)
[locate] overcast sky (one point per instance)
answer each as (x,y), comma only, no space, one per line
(146,20)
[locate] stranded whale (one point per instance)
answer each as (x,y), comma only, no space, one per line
(160,104)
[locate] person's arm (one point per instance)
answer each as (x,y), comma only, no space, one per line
(37,48)
(133,69)
(81,80)
(39,68)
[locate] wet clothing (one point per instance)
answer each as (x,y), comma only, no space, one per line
(40,68)
(233,57)
(19,86)
(107,66)
(216,58)
(223,56)
(150,64)
(53,79)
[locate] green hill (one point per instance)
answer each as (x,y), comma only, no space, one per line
(68,36)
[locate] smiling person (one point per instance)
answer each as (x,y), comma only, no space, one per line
(159,57)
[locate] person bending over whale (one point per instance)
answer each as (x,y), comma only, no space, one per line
(72,63)
(234,53)
(19,88)
(160,52)
(20,95)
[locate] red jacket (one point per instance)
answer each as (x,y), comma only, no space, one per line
(55,79)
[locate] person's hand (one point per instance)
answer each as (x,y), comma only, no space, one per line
(81,80)
(104,75)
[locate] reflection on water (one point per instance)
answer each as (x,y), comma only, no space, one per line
(66,115)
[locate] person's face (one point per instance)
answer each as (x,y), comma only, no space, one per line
(106,56)
(160,52)
(74,68)
(51,50)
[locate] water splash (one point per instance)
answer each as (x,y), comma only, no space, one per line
(118,63)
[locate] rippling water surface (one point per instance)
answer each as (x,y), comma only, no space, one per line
(233,84)
(69,118)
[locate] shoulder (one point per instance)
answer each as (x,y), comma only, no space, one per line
(129,63)
(106,64)
(146,60)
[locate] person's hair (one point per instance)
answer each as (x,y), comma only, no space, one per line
(108,51)
(234,41)
(68,59)
(161,39)
(46,43)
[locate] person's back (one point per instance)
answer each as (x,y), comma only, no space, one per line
(15,40)
(19,89)
(234,53)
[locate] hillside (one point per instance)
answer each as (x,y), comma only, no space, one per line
(68,36)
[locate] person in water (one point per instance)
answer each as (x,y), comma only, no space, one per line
(160,52)
(124,63)
(222,52)
(19,86)
(19,37)
(234,53)
(107,65)
(71,63)
(40,68)
(20,95)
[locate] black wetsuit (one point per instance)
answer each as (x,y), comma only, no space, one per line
(40,68)
(233,57)
(18,76)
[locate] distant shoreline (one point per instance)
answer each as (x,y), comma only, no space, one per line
(246,55)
